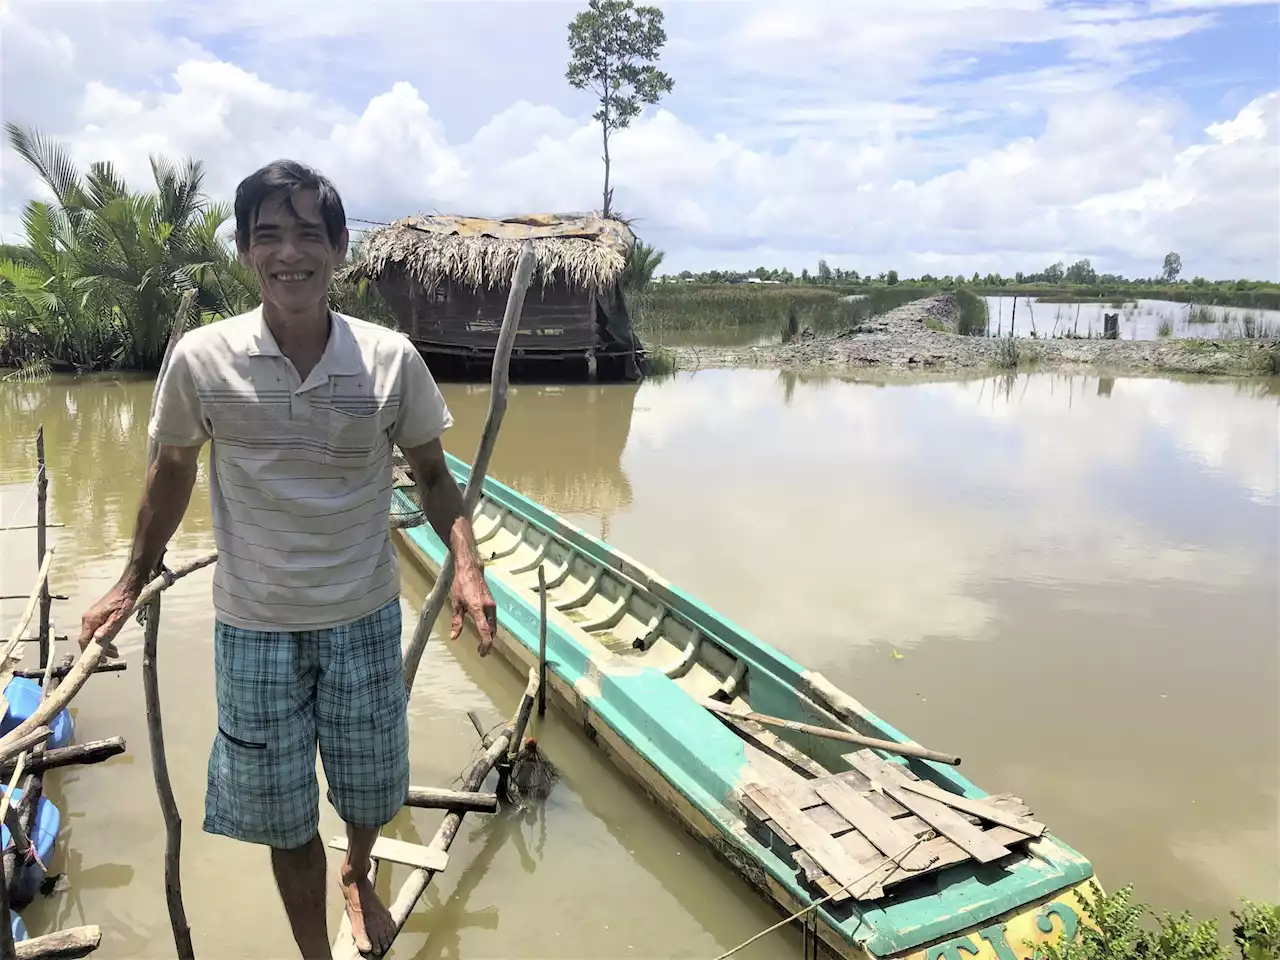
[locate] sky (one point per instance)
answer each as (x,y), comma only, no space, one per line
(926,136)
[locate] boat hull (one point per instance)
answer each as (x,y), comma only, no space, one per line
(685,762)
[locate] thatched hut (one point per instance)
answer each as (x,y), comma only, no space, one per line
(447,279)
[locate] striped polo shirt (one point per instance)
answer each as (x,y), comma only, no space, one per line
(299,470)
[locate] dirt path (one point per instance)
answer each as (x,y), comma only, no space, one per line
(900,341)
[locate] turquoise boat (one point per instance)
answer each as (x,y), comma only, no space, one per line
(650,673)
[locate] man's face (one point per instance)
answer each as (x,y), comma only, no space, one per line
(290,251)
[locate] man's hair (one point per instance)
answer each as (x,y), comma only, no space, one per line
(289,176)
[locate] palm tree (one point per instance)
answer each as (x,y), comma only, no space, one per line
(110,265)
(641,264)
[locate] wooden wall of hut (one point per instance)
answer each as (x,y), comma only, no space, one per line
(456,329)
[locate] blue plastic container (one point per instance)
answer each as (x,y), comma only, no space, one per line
(43,836)
(23,696)
(17,926)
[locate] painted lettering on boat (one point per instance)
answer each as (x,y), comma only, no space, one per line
(1070,922)
(962,948)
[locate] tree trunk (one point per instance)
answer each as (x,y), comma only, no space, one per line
(604,134)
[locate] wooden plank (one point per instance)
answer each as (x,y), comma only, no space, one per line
(951,825)
(946,821)
(804,796)
(948,854)
(979,808)
(815,875)
(883,832)
(821,846)
(397,851)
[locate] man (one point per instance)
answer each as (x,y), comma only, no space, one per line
(301,406)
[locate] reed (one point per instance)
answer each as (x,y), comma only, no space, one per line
(663,307)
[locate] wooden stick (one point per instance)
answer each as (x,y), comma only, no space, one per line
(151,692)
(522,715)
(22,741)
(33,600)
(66,944)
(113,666)
(7,951)
(828,695)
(92,751)
(42,505)
(434,602)
(889,746)
(91,656)
(542,641)
(33,785)
(431,798)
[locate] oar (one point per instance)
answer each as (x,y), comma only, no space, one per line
(888,746)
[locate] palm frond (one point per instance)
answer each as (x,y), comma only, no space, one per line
(49,159)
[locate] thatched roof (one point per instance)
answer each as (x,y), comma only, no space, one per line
(585,251)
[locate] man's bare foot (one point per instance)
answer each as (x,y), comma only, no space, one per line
(372,928)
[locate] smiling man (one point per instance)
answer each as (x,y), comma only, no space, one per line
(301,406)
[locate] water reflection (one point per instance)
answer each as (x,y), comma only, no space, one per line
(1139,319)
(1075,571)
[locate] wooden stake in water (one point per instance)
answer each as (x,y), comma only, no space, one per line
(542,641)
(42,503)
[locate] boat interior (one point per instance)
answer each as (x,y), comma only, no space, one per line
(620,606)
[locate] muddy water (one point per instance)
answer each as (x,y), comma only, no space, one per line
(1072,582)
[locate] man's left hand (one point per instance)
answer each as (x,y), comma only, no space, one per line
(470,595)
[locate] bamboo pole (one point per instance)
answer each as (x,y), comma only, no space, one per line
(151,693)
(889,746)
(500,379)
(42,518)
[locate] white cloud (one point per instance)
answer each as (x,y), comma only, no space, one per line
(917,175)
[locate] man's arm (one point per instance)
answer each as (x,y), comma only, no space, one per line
(165,496)
(443,504)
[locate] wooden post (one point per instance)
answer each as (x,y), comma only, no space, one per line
(42,506)
(542,641)
(151,693)
(434,603)
(6,931)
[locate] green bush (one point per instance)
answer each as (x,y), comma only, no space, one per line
(1121,930)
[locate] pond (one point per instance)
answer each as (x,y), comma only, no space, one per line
(1140,319)
(1071,581)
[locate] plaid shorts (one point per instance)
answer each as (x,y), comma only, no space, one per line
(282,693)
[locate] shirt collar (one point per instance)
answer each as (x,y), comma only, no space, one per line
(341,355)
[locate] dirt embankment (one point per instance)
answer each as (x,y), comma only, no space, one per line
(900,340)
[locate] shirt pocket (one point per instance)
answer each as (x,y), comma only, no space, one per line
(356,432)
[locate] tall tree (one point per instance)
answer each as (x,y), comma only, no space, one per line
(1172,266)
(613,45)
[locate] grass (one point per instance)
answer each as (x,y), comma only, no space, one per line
(1199,313)
(1166,329)
(1007,352)
(661,361)
(665,307)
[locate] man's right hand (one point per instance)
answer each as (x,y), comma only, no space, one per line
(106,617)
